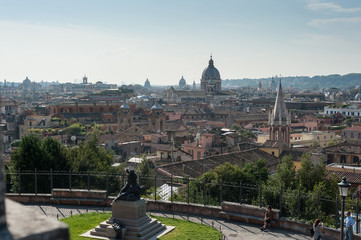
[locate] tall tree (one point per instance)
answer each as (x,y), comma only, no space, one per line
(285,174)
(88,156)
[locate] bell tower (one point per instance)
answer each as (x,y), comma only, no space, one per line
(280,119)
(156,118)
(125,117)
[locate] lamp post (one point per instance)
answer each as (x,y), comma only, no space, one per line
(343,186)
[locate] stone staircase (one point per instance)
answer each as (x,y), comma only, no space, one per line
(131,214)
(146,228)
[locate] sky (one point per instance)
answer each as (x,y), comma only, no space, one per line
(126,41)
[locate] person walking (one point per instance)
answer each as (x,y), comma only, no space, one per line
(317,228)
(349,222)
(267,218)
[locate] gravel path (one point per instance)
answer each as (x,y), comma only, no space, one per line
(231,230)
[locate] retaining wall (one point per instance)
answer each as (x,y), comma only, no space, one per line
(184,208)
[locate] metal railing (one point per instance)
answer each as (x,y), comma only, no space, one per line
(291,203)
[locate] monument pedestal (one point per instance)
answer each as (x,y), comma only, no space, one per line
(133,215)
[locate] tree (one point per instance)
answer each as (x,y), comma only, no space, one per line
(146,173)
(54,155)
(255,173)
(88,156)
(331,143)
(285,174)
(75,129)
(225,176)
(305,173)
(43,154)
(34,153)
(236,127)
(315,144)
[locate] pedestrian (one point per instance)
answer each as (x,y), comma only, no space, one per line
(317,228)
(267,218)
(349,222)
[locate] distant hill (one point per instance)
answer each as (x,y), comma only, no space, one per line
(347,81)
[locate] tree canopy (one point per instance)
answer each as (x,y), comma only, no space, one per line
(48,153)
(44,154)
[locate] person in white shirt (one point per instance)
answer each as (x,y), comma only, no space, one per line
(317,228)
(349,222)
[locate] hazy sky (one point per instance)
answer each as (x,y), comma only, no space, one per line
(129,41)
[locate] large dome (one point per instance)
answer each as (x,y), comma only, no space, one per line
(182,82)
(211,72)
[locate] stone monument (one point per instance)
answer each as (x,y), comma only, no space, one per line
(129,219)
(4,232)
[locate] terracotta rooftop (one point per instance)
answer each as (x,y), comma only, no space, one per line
(354,128)
(195,168)
(353,178)
(347,146)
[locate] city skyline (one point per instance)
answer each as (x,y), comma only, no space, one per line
(128,42)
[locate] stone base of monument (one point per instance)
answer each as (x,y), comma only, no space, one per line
(131,214)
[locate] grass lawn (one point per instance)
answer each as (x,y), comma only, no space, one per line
(79,224)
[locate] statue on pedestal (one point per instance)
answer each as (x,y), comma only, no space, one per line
(131,190)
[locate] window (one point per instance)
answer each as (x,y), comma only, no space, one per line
(343,159)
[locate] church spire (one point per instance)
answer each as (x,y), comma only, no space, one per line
(211,64)
(280,115)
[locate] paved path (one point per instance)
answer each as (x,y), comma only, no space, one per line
(232,230)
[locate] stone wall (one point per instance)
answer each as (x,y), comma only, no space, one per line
(200,210)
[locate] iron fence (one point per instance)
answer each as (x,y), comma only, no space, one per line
(291,203)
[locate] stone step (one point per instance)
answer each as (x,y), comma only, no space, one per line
(130,222)
(147,236)
(110,234)
(104,224)
(144,229)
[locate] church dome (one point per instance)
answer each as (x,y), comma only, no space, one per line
(156,106)
(147,83)
(182,82)
(124,106)
(26,81)
(211,72)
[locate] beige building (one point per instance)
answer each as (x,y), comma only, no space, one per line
(35,122)
(262,138)
(307,138)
